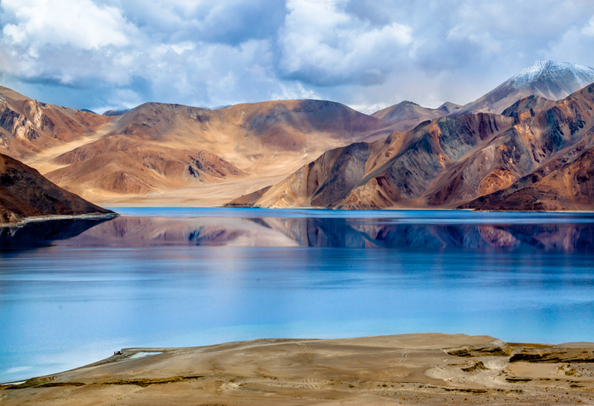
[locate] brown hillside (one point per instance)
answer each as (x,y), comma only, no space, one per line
(541,162)
(24,193)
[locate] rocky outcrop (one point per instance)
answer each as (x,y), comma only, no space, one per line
(209,164)
(25,193)
(28,126)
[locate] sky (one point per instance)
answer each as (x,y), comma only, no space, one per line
(368,54)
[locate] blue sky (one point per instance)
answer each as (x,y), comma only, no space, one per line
(104,54)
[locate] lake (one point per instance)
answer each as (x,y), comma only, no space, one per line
(72,292)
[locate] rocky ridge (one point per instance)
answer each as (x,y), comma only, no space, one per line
(528,161)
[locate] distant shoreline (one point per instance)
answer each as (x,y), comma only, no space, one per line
(37,219)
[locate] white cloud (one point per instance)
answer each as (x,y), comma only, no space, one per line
(365,53)
(81,24)
(324,45)
(589,28)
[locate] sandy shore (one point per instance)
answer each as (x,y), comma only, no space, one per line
(417,369)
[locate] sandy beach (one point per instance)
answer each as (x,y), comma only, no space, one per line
(415,369)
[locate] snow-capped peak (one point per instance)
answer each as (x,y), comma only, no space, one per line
(555,71)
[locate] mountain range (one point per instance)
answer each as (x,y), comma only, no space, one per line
(536,156)
(162,147)
(524,145)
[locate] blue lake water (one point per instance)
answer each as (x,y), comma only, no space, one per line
(72,292)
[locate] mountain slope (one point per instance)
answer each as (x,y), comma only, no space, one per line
(24,193)
(547,79)
(527,107)
(470,161)
(394,171)
(407,115)
(563,180)
(161,147)
(28,127)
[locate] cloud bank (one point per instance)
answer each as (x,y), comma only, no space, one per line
(103,54)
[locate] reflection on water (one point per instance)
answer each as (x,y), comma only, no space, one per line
(42,233)
(329,232)
(72,292)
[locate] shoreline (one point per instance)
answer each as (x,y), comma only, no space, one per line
(52,217)
(409,369)
(391,209)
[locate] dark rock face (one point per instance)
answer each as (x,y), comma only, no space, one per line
(346,172)
(24,193)
(211,164)
(553,355)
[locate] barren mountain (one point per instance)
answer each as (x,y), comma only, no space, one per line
(407,115)
(28,127)
(527,107)
(391,172)
(547,79)
(156,148)
(540,161)
(24,193)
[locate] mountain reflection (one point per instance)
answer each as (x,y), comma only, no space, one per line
(129,232)
(43,233)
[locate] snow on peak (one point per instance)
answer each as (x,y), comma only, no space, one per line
(554,71)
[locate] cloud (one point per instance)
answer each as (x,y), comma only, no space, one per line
(80,24)
(103,54)
(323,45)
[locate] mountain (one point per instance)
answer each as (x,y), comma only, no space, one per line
(547,79)
(28,127)
(407,115)
(162,154)
(25,193)
(111,113)
(164,148)
(540,161)
(527,107)
(391,172)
